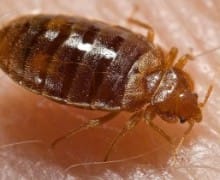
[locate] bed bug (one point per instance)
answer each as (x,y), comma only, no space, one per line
(90,64)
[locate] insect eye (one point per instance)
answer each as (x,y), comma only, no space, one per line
(182,119)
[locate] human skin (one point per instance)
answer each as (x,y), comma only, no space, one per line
(29,122)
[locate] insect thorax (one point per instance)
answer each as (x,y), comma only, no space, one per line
(143,79)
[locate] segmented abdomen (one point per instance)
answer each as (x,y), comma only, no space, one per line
(70,59)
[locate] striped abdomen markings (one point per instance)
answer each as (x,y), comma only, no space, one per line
(114,42)
(23,45)
(111,91)
(41,53)
(101,49)
(65,62)
(73,59)
(9,36)
(86,41)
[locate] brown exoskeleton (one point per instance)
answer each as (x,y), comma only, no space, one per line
(90,64)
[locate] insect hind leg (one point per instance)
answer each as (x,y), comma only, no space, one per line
(150,34)
(90,124)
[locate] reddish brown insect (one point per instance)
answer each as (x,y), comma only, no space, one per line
(93,65)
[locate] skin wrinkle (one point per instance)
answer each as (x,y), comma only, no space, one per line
(26,116)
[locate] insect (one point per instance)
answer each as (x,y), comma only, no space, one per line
(90,64)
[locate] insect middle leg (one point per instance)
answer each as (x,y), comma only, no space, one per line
(90,124)
(132,123)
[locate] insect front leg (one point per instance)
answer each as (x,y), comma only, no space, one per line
(183,61)
(188,130)
(170,57)
(149,116)
(90,124)
(132,123)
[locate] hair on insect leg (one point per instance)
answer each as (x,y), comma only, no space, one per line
(131,123)
(90,124)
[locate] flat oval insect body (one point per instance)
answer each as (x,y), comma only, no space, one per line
(94,65)
(73,60)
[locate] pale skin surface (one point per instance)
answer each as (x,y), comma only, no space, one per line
(26,116)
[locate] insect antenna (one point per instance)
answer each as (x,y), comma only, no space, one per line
(90,124)
(208,93)
(210,89)
(207,52)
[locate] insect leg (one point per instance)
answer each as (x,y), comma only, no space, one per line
(150,34)
(149,116)
(208,93)
(183,60)
(171,56)
(179,144)
(90,124)
(132,123)
(188,130)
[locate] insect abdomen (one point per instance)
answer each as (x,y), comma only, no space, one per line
(70,59)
